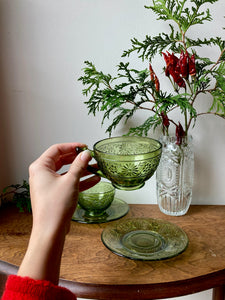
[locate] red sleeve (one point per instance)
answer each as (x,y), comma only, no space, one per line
(24,288)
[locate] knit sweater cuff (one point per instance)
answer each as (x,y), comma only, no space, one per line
(28,288)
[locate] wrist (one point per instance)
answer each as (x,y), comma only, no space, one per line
(43,256)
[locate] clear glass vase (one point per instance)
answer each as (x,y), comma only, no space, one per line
(175,176)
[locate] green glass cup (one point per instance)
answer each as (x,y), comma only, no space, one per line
(97,199)
(127,161)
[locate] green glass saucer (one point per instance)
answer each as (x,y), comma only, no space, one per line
(117,209)
(145,239)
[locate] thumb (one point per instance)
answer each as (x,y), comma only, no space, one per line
(80,163)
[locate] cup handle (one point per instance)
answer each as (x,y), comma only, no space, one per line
(91,168)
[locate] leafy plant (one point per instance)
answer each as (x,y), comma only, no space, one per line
(18,194)
(189,73)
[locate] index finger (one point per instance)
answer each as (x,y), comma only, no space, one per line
(59,155)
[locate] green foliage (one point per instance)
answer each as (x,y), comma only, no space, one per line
(151,122)
(18,194)
(120,97)
(218,93)
(153,45)
(179,12)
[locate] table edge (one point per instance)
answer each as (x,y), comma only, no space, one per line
(131,291)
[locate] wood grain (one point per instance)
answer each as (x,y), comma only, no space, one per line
(90,270)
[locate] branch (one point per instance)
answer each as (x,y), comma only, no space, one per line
(211,113)
(218,60)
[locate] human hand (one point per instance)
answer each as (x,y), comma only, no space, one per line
(54,196)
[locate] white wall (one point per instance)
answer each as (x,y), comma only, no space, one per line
(43,46)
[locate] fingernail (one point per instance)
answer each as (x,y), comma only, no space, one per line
(86,155)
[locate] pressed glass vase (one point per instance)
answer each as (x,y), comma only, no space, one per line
(175,176)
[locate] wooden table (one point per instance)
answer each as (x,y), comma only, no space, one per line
(92,271)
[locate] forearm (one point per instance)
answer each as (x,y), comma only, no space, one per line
(43,256)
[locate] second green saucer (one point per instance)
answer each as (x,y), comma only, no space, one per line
(117,209)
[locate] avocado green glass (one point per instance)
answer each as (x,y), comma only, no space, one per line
(127,161)
(97,199)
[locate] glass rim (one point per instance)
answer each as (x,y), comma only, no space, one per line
(128,137)
(173,138)
(112,189)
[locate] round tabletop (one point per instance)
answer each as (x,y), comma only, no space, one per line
(92,271)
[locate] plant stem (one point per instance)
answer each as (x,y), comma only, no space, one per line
(186,123)
(189,85)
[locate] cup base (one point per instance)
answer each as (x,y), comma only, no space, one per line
(90,214)
(128,188)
